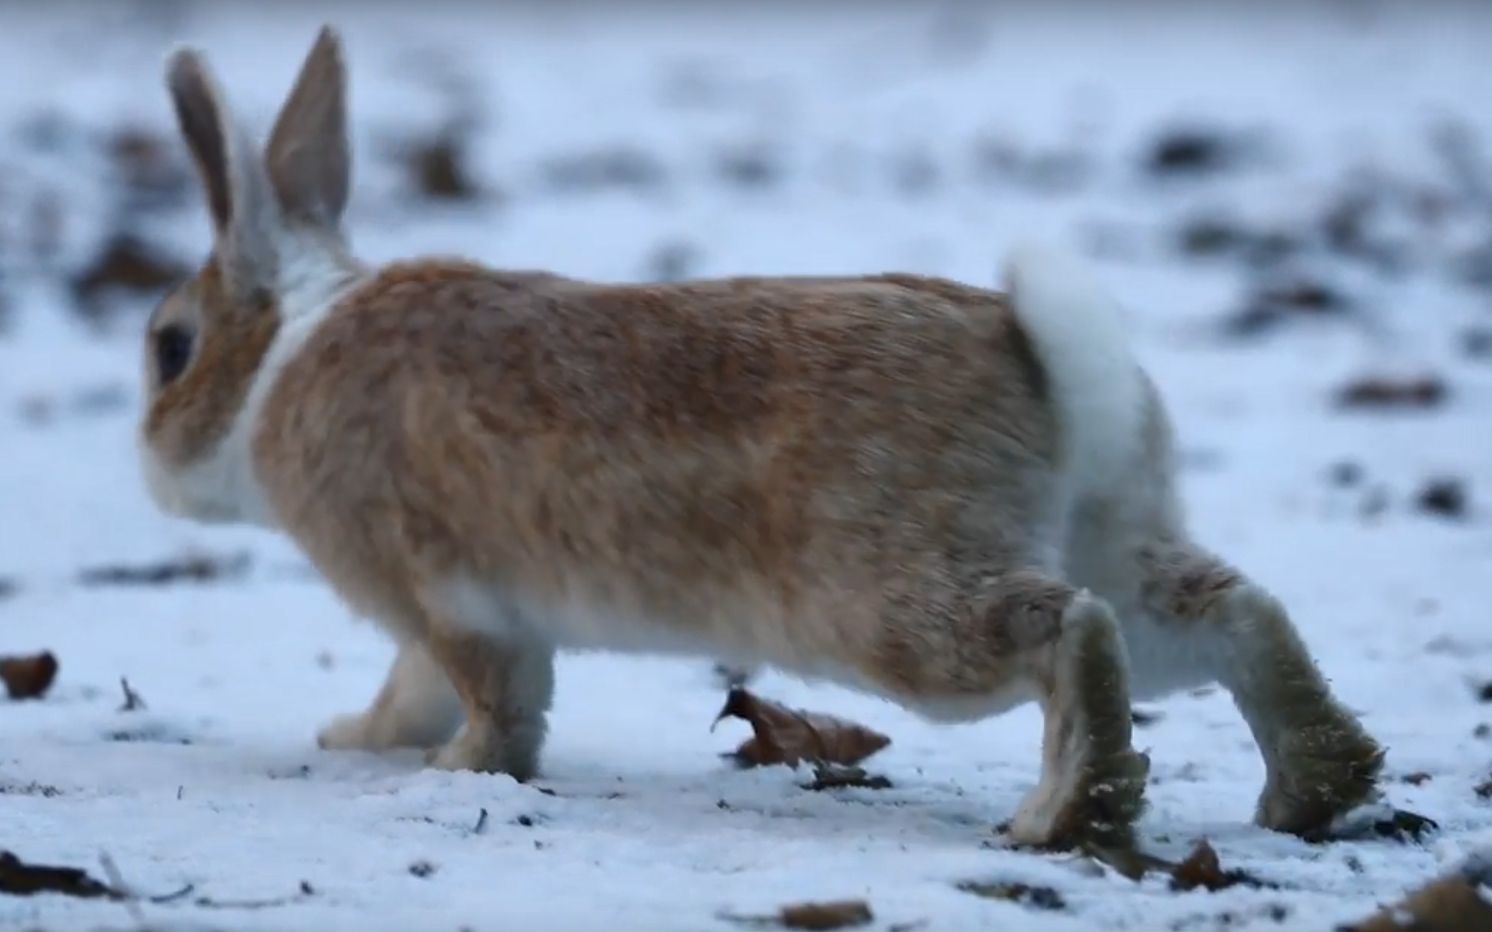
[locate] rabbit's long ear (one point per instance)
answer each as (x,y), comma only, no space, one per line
(244,215)
(308,155)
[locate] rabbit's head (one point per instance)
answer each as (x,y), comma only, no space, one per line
(278,256)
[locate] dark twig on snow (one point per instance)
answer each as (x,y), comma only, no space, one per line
(117,880)
(198,569)
(133,702)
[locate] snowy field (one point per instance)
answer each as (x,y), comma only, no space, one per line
(1288,198)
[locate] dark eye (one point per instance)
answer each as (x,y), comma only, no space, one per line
(173,350)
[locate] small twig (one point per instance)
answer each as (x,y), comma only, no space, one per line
(481,823)
(132,700)
(116,880)
(172,897)
(207,902)
(196,569)
(304,892)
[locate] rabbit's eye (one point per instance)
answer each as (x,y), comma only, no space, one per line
(173,350)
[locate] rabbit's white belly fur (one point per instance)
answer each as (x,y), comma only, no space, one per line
(571,623)
(486,610)
(736,636)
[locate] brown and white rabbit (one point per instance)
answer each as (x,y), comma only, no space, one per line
(948,496)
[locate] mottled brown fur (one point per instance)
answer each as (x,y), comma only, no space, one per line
(1181,580)
(681,444)
(843,477)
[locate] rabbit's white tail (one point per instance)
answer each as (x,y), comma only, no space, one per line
(1095,382)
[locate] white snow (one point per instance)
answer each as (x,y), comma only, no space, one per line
(220,784)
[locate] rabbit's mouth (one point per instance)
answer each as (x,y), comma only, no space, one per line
(208,491)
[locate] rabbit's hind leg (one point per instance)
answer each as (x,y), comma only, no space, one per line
(1026,634)
(1200,619)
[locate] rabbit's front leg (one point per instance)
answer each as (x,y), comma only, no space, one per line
(417,707)
(503,671)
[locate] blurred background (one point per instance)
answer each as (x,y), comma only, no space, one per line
(1293,202)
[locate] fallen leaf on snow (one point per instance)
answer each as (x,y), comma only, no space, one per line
(842,914)
(1452,903)
(22,879)
(787,736)
(1202,869)
(28,677)
(831,914)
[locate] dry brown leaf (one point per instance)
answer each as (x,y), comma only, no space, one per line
(788,736)
(18,878)
(830,914)
(839,914)
(28,677)
(1449,904)
(1202,869)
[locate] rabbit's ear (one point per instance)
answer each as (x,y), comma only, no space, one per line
(244,216)
(308,155)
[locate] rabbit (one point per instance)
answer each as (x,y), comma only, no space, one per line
(957,498)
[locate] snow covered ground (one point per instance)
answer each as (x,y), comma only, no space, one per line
(631,141)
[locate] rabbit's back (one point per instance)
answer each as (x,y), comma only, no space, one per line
(678,452)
